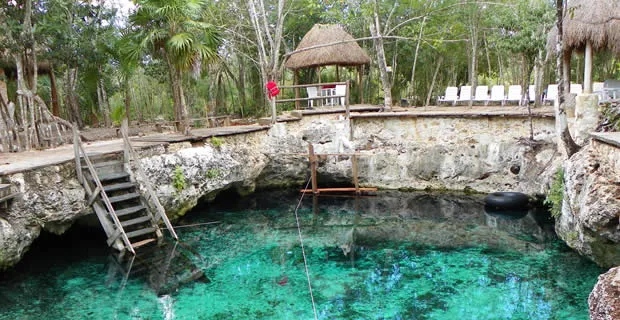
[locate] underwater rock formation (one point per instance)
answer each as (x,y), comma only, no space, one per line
(604,300)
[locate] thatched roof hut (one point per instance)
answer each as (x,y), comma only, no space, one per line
(334,47)
(590,25)
(594,21)
(346,53)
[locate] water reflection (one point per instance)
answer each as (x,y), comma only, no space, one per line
(164,267)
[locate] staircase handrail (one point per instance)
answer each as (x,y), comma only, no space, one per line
(130,153)
(79,149)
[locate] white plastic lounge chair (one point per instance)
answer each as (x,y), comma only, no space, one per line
(597,89)
(312,94)
(576,88)
(482,94)
(341,90)
(452,94)
(465,95)
(514,94)
(612,89)
(531,93)
(552,93)
(497,95)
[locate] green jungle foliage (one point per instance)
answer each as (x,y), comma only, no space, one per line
(216,142)
(610,117)
(555,196)
(141,63)
(178,179)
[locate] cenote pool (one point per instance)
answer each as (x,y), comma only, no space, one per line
(394,256)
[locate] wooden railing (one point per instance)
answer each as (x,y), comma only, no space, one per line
(79,153)
(319,97)
(151,197)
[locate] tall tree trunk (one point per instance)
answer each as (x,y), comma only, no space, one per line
(102,98)
(432,88)
(415,58)
(561,119)
(375,31)
(54,92)
(127,100)
(241,85)
(178,97)
(71,98)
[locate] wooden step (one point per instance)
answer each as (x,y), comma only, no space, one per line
(143,242)
(113,176)
(104,164)
(119,186)
(130,210)
(124,197)
(140,232)
(135,221)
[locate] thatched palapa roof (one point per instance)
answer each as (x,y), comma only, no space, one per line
(596,21)
(348,53)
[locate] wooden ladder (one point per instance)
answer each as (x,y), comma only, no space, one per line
(115,196)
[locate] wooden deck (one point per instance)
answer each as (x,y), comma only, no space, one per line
(23,161)
(201,134)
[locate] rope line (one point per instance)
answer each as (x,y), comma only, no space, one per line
(303,251)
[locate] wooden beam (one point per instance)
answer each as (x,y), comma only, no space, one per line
(320,190)
(355,177)
(313,161)
(93,196)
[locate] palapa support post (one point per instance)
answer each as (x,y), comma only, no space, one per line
(297,104)
(346,100)
(313,159)
(360,75)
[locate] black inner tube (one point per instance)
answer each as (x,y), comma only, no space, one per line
(507,201)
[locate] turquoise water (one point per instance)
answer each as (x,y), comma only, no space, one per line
(396,256)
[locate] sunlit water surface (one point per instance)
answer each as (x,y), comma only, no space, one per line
(395,256)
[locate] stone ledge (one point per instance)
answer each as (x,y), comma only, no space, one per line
(611,138)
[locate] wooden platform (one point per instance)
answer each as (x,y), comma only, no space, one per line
(341,109)
(336,190)
(460,112)
(202,134)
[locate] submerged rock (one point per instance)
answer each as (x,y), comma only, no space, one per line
(604,300)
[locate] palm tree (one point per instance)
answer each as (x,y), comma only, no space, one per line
(174,31)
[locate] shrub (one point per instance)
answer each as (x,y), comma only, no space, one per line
(217,142)
(212,173)
(555,196)
(178,179)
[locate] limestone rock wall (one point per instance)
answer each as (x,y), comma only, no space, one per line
(591,206)
(413,153)
(51,198)
(485,153)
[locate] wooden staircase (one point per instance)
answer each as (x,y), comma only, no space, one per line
(123,210)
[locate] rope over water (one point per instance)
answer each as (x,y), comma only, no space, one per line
(303,251)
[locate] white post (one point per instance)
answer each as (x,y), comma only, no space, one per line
(587,75)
